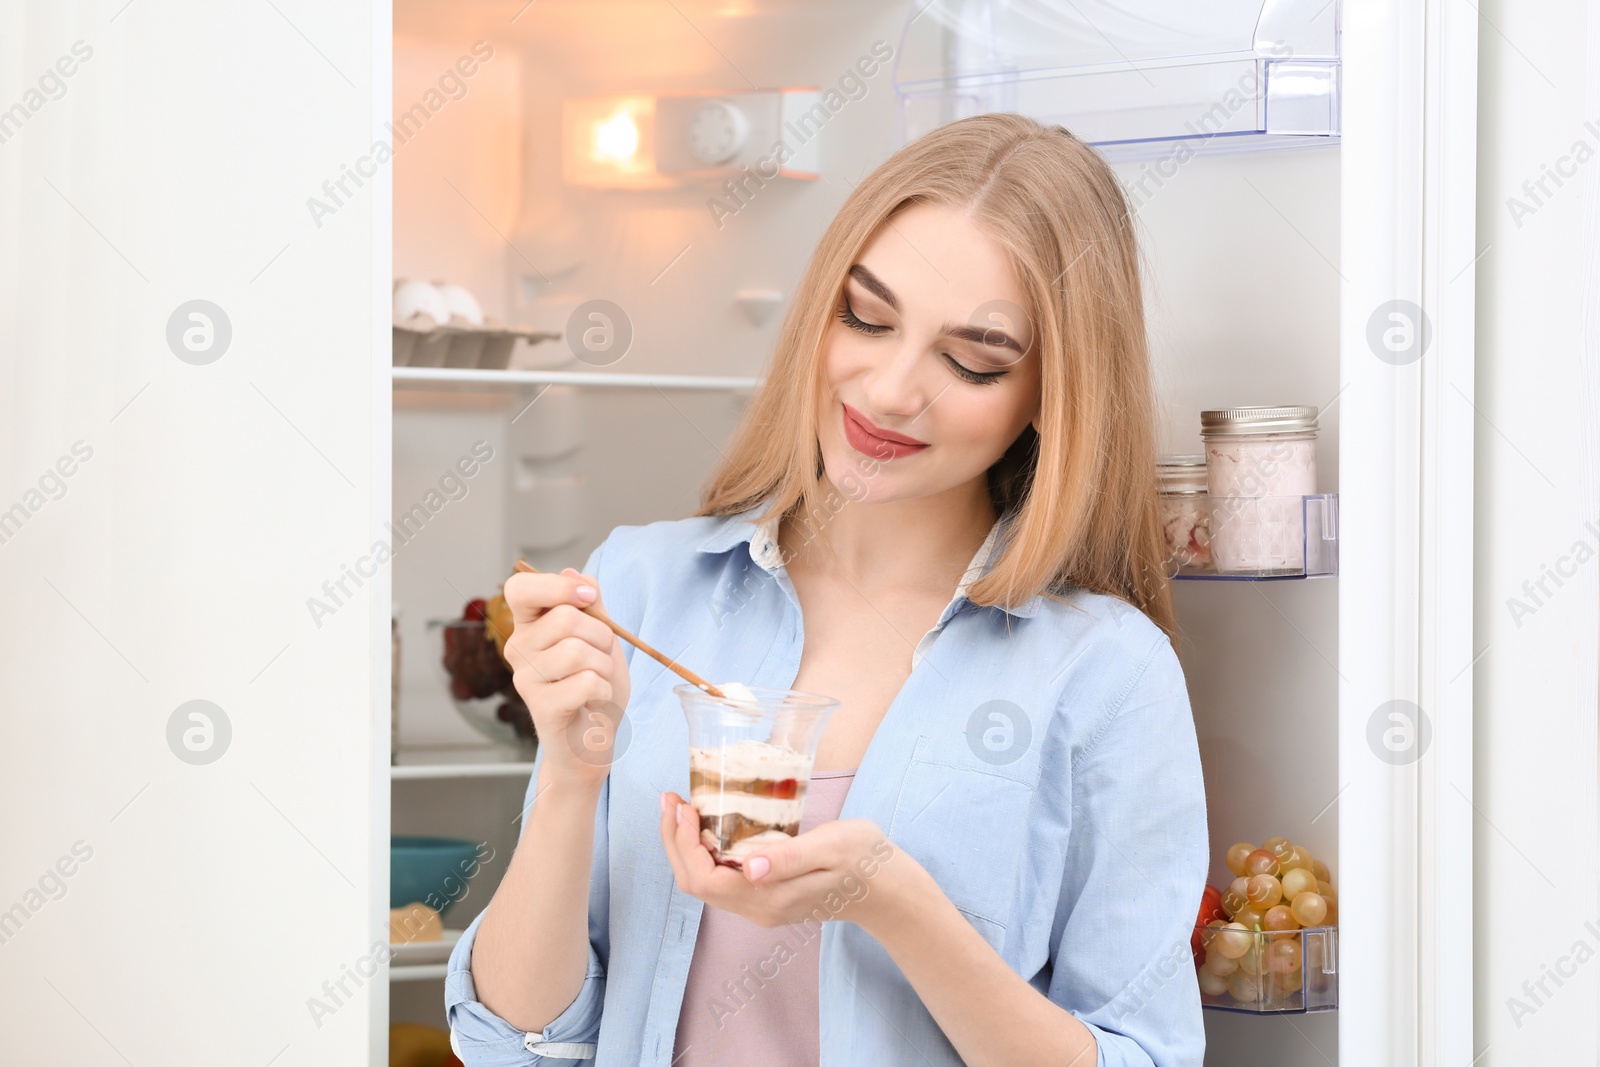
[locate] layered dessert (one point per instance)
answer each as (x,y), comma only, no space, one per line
(749,794)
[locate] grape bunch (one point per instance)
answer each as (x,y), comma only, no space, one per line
(476,669)
(1248,942)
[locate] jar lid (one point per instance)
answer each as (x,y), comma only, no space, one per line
(1181,474)
(1291,418)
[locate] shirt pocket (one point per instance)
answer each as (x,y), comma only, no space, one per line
(965,820)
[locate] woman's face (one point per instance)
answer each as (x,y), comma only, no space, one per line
(929,374)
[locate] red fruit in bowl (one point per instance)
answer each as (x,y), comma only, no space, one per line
(476,611)
(1210,908)
(1211,905)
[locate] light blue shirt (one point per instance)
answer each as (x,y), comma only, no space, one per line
(1040,763)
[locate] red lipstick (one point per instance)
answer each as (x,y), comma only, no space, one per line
(870,439)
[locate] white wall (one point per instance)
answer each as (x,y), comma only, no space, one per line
(206,903)
(1536,496)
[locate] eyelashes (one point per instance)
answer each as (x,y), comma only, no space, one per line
(848,316)
(975,377)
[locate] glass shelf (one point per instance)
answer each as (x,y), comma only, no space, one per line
(434,377)
(464,761)
(1129,76)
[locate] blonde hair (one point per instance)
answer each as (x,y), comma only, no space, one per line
(1082,488)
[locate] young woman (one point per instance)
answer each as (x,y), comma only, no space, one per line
(941,510)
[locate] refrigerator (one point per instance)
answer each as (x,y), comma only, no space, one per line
(398,294)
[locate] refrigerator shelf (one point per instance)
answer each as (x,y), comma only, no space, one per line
(1137,79)
(463,761)
(418,972)
(490,380)
(1261,541)
(1315,989)
(421,342)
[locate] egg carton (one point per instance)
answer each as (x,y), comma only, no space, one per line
(421,341)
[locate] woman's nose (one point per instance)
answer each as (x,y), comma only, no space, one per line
(899,384)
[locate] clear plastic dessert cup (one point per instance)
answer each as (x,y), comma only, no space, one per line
(750,763)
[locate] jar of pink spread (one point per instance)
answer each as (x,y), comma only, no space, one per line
(1260,462)
(1185,512)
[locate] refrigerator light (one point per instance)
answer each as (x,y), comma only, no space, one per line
(609,142)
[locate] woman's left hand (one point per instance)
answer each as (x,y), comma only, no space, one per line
(842,869)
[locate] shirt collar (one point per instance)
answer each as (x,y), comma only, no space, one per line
(763,545)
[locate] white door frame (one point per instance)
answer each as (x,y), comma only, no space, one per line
(1405,592)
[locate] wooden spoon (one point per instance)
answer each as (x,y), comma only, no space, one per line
(670,664)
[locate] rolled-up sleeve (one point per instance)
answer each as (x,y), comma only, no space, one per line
(1135,871)
(483,1039)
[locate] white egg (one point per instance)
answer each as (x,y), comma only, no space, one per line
(414,297)
(459,301)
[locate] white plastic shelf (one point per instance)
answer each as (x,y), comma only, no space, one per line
(476,761)
(508,379)
(418,972)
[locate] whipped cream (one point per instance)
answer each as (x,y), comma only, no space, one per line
(751,759)
(739,693)
(770,810)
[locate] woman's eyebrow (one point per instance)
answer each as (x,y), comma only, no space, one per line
(874,285)
(991,335)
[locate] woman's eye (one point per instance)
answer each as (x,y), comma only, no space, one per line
(973,376)
(848,316)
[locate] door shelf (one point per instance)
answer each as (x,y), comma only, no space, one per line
(1313,985)
(1253,539)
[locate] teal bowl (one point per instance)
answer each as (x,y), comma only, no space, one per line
(430,870)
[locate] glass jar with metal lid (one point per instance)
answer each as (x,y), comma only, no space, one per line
(1260,463)
(1185,512)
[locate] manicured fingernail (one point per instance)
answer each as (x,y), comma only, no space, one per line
(663,799)
(758,867)
(682,808)
(585,592)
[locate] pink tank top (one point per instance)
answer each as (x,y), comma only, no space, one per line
(751,997)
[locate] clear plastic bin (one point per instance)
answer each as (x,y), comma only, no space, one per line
(1273,537)
(1295,971)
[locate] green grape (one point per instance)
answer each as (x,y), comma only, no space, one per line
(1264,891)
(1297,881)
(1287,982)
(1251,962)
(1261,862)
(1310,909)
(1279,918)
(1284,956)
(1246,988)
(1297,857)
(1236,896)
(1234,940)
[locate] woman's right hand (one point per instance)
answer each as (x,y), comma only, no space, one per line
(569,668)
